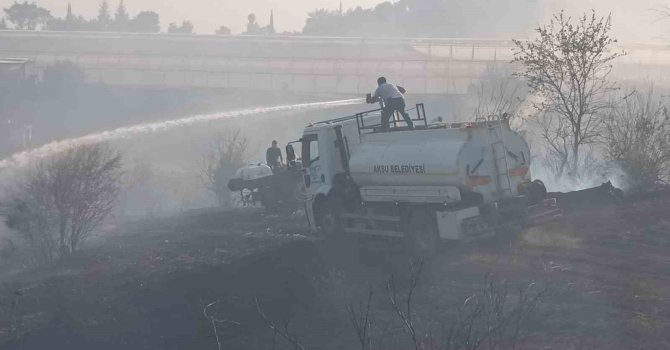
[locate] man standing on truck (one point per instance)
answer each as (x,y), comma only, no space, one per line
(393,99)
(273,156)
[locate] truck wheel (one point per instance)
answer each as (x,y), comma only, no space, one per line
(328,218)
(421,233)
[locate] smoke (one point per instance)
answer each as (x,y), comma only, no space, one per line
(22,159)
(566,183)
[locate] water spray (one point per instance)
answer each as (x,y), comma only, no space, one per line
(22,159)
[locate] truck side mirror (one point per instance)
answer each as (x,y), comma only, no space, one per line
(290,153)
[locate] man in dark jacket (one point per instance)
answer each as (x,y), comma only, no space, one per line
(273,156)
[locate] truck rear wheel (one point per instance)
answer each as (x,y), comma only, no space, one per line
(421,234)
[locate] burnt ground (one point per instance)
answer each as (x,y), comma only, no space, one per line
(606,271)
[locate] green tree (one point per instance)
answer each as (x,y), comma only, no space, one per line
(146,22)
(121,17)
(185,28)
(71,22)
(427,18)
(252,26)
(27,15)
(223,30)
(104,17)
(569,66)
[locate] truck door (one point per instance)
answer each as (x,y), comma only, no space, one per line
(312,160)
(317,153)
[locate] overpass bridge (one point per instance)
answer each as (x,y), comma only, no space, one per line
(292,63)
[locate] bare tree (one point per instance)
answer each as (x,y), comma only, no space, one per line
(65,198)
(360,319)
(283,331)
(215,321)
(227,154)
(662,12)
(569,66)
(491,318)
(637,137)
(498,94)
(405,312)
(556,135)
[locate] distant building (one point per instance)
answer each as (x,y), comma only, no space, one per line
(16,69)
(15,135)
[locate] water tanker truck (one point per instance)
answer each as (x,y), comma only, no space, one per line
(433,182)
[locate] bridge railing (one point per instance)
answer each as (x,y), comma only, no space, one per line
(322,64)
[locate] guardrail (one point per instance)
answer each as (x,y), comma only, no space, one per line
(294,63)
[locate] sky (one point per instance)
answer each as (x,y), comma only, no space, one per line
(634,20)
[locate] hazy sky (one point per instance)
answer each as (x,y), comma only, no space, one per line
(634,20)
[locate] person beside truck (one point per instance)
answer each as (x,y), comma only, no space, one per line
(273,157)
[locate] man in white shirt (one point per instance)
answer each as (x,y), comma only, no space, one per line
(393,100)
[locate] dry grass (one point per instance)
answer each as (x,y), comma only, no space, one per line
(550,237)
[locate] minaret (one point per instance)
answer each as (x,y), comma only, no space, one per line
(271,26)
(341,8)
(69,15)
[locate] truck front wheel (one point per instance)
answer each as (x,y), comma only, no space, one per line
(328,220)
(421,234)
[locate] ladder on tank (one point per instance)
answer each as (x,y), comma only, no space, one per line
(496,140)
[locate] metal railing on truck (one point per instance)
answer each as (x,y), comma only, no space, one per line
(397,118)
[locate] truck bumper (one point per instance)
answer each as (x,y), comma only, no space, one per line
(450,224)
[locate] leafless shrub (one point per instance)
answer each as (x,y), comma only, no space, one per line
(214,321)
(486,320)
(282,331)
(405,312)
(557,154)
(556,135)
(637,137)
(498,95)
(360,319)
(11,308)
(492,318)
(227,154)
(65,198)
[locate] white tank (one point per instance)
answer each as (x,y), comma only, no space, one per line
(461,157)
(253,172)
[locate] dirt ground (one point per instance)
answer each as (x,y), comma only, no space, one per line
(606,271)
